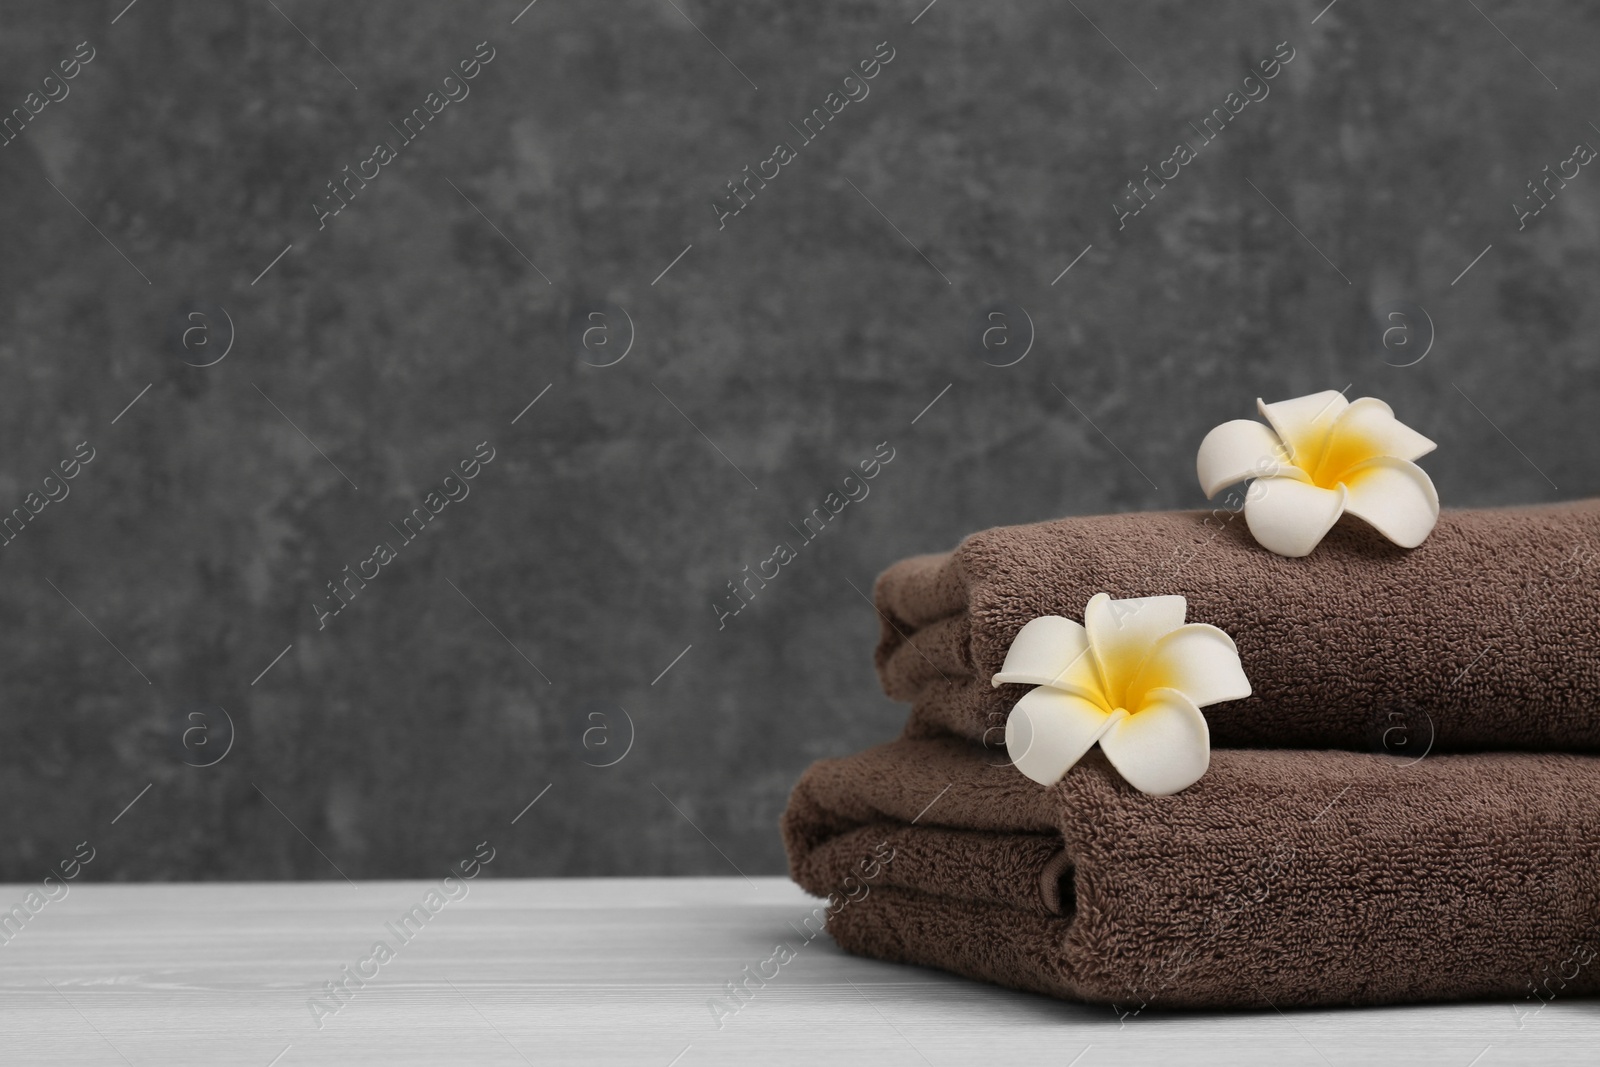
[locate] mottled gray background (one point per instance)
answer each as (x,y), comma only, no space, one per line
(191,550)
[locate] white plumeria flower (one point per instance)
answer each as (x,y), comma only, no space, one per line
(1132,677)
(1323,456)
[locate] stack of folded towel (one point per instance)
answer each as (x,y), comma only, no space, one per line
(1406,807)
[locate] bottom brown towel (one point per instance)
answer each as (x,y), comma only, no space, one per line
(1282,877)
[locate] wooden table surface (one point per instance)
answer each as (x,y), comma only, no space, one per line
(612,971)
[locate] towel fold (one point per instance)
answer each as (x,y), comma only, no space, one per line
(1282,877)
(1487,636)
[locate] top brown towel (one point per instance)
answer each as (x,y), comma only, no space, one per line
(1487,636)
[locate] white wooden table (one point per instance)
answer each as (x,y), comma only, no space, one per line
(616,971)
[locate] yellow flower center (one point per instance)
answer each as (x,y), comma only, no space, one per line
(1344,448)
(1121,686)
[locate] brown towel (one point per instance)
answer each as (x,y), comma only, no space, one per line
(1487,636)
(1282,877)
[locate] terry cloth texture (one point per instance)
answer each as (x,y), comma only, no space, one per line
(1487,636)
(1282,877)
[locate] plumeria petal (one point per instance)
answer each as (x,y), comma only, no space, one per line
(1048,731)
(1396,496)
(1303,423)
(1238,450)
(1367,429)
(1121,633)
(1198,660)
(1052,651)
(1289,516)
(1163,747)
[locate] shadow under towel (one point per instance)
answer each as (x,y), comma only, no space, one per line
(1486,636)
(1281,877)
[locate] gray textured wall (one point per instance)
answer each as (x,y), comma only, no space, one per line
(813,326)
